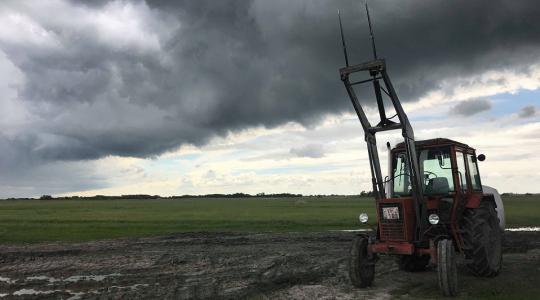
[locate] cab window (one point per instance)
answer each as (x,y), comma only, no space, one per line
(435,172)
(436,169)
(462,172)
(401,180)
(475,175)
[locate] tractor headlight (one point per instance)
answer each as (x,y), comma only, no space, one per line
(363,217)
(433,219)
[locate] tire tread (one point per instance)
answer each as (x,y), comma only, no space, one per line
(476,252)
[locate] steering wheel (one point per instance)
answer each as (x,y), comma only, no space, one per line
(428,174)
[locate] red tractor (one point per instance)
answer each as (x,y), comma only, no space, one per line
(431,208)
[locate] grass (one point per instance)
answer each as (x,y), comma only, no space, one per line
(522,210)
(30,221)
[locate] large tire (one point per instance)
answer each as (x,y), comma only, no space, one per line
(361,263)
(482,238)
(411,263)
(446,268)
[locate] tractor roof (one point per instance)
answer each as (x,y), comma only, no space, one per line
(435,142)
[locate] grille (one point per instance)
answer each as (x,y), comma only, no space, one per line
(391,230)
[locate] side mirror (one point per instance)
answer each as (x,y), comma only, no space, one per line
(481,157)
(440,157)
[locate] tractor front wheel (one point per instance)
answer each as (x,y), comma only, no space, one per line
(446,268)
(361,263)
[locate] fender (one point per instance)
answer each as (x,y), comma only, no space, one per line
(494,194)
(488,194)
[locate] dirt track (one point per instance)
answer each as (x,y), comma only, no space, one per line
(215,265)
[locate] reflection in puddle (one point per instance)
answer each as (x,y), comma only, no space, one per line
(353,230)
(76,278)
(7,280)
(44,278)
(74,295)
(73,278)
(131,287)
(519,229)
(525,229)
(33,292)
(77,295)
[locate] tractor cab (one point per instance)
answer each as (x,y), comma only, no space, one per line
(447,168)
(449,183)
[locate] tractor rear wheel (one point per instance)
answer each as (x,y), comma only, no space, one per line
(482,238)
(411,263)
(446,268)
(361,263)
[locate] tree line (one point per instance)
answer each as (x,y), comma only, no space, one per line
(224,196)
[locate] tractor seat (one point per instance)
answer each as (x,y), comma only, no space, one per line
(438,186)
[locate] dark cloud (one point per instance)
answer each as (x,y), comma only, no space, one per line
(471,107)
(310,150)
(527,111)
(134,78)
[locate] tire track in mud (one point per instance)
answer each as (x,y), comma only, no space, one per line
(200,265)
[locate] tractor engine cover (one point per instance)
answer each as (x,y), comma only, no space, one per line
(396,219)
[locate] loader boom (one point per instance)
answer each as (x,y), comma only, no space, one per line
(377,71)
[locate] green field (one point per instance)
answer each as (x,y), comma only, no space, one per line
(30,221)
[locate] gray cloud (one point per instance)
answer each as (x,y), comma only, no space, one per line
(135,78)
(310,150)
(527,111)
(471,107)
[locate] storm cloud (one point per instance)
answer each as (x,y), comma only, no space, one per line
(132,78)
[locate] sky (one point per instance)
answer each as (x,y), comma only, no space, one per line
(197,97)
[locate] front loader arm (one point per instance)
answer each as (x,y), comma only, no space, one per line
(377,71)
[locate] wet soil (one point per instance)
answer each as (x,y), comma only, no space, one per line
(220,266)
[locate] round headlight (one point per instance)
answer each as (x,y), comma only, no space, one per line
(363,217)
(433,219)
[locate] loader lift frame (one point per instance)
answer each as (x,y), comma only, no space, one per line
(377,70)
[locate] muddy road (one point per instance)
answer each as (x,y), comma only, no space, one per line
(232,266)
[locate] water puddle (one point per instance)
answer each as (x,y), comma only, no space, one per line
(516,229)
(42,278)
(78,295)
(73,294)
(353,230)
(76,278)
(7,280)
(131,287)
(524,229)
(23,292)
